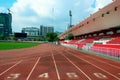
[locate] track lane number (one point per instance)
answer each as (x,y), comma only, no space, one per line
(13,76)
(100,75)
(72,75)
(44,75)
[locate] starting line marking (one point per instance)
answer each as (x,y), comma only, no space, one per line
(100,75)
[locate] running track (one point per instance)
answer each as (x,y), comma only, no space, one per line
(53,62)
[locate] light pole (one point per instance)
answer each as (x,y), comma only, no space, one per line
(70,14)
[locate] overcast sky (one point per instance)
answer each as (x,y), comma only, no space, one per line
(33,13)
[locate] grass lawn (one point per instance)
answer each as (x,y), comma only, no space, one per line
(15,45)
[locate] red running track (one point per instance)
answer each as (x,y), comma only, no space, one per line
(54,62)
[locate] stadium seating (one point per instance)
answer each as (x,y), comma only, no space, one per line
(80,46)
(87,41)
(114,41)
(83,42)
(112,48)
(77,43)
(72,41)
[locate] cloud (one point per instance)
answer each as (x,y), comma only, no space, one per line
(98,4)
(33,12)
(80,10)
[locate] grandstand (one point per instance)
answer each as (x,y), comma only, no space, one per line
(99,33)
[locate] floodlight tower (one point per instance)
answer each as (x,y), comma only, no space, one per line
(70,14)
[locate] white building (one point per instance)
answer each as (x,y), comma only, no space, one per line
(31,31)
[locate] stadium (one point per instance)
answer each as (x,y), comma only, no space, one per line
(92,54)
(100,32)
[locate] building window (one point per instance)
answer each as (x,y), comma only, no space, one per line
(118,31)
(100,34)
(115,8)
(102,15)
(87,22)
(82,24)
(108,12)
(93,19)
(89,35)
(94,34)
(85,36)
(79,26)
(110,32)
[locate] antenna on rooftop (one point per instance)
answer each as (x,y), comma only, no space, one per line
(9,10)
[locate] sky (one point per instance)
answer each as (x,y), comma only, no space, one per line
(33,13)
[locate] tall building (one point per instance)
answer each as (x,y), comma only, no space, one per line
(5,24)
(44,30)
(31,31)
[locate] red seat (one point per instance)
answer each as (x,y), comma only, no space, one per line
(114,41)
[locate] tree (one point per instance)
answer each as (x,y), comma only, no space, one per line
(52,36)
(2,37)
(69,36)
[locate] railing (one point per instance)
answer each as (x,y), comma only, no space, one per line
(113,52)
(109,52)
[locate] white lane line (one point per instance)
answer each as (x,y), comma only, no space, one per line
(77,67)
(58,75)
(11,67)
(8,63)
(33,68)
(97,67)
(104,62)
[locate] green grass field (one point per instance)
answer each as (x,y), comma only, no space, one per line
(16,45)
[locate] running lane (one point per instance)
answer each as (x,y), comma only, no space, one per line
(107,71)
(44,70)
(54,62)
(67,70)
(95,69)
(19,71)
